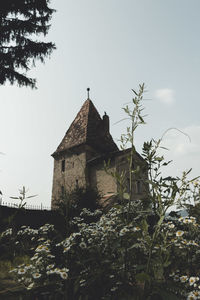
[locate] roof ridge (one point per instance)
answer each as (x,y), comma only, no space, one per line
(90,101)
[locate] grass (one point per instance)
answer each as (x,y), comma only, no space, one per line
(9,288)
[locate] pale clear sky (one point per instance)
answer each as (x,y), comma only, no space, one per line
(110,46)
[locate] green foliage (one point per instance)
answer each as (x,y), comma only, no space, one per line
(22,197)
(133,251)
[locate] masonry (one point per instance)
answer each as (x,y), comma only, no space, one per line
(80,157)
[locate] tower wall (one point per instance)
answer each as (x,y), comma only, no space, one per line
(73,175)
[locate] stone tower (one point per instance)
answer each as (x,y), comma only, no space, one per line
(88,137)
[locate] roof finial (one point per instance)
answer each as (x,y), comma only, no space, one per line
(88,93)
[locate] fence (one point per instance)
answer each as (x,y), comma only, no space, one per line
(27,206)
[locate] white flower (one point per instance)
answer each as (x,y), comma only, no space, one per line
(136,228)
(63,275)
(64,270)
(66,249)
(22,271)
(82,282)
(183,278)
(28,267)
(41,248)
(123,231)
(181,219)
(50,266)
(34,257)
(30,286)
(176,278)
(196,293)
(83,245)
(171,226)
(192,280)
(187,221)
(50,256)
(13,270)
(114,289)
(39,261)
(36,275)
(191,296)
(179,233)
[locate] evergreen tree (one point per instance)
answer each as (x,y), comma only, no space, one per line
(21,21)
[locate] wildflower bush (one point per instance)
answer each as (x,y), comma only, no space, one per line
(134,251)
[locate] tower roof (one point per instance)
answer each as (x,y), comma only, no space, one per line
(87,129)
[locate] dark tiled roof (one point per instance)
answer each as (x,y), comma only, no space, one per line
(87,128)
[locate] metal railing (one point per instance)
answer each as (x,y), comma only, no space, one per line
(27,206)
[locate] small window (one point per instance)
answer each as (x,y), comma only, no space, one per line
(62,190)
(76,183)
(63,165)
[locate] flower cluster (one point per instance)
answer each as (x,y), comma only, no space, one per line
(7,232)
(192,284)
(87,212)
(107,240)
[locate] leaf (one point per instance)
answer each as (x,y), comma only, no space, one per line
(193,179)
(142,277)
(135,92)
(166,264)
(126,196)
(141,119)
(140,267)
(163,148)
(135,245)
(168,295)
(144,225)
(160,221)
(159,158)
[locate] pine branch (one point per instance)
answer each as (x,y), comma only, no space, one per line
(19,20)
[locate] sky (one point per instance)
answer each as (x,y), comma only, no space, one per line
(111,46)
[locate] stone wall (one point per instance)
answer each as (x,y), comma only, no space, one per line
(74,174)
(107,184)
(79,171)
(98,178)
